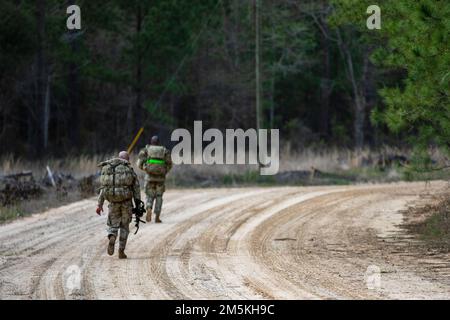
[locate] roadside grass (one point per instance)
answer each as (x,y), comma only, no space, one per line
(247,178)
(333,165)
(411,175)
(437,227)
(11,212)
(326,160)
(433,226)
(77,166)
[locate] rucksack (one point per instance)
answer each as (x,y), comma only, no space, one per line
(155,164)
(117,180)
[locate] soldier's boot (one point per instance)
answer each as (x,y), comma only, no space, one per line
(122,254)
(112,242)
(158,205)
(148,217)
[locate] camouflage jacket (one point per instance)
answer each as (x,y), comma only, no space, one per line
(132,186)
(146,154)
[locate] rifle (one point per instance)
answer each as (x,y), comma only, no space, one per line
(138,212)
(135,140)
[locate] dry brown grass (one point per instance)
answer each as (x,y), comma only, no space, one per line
(334,159)
(77,166)
(327,160)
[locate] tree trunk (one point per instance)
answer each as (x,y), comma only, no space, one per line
(258,62)
(360,116)
(326,87)
(369,89)
(37,132)
(272,101)
(73,103)
(73,88)
(361,102)
(138,73)
(358,95)
(134,115)
(47,111)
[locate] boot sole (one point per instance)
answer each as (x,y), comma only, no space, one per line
(112,242)
(148,217)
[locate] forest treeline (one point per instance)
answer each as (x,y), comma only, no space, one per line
(326,79)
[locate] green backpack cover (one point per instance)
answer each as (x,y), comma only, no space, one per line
(155,164)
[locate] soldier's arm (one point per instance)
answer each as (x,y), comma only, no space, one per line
(168,160)
(136,188)
(101,199)
(142,158)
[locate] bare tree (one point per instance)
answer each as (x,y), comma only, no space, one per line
(37,117)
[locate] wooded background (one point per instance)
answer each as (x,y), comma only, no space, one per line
(326,80)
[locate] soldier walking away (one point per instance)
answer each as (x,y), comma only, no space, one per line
(155,160)
(119,185)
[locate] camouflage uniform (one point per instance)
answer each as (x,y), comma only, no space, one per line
(154,183)
(120,212)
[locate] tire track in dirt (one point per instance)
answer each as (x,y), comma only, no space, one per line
(273,242)
(332,249)
(137,280)
(249,243)
(200,279)
(164,254)
(93,242)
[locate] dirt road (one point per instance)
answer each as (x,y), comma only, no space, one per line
(251,243)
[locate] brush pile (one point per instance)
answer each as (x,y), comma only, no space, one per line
(23,186)
(17,187)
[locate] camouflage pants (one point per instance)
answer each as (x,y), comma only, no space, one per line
(154,192)
(119,218)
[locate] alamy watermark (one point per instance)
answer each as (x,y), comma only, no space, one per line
(373,277)
(74,20)
(238,147)
(374,20)
(72,279)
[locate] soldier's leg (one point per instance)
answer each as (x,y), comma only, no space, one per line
(150,193)
(113,222)
(160,188)
(126,217)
